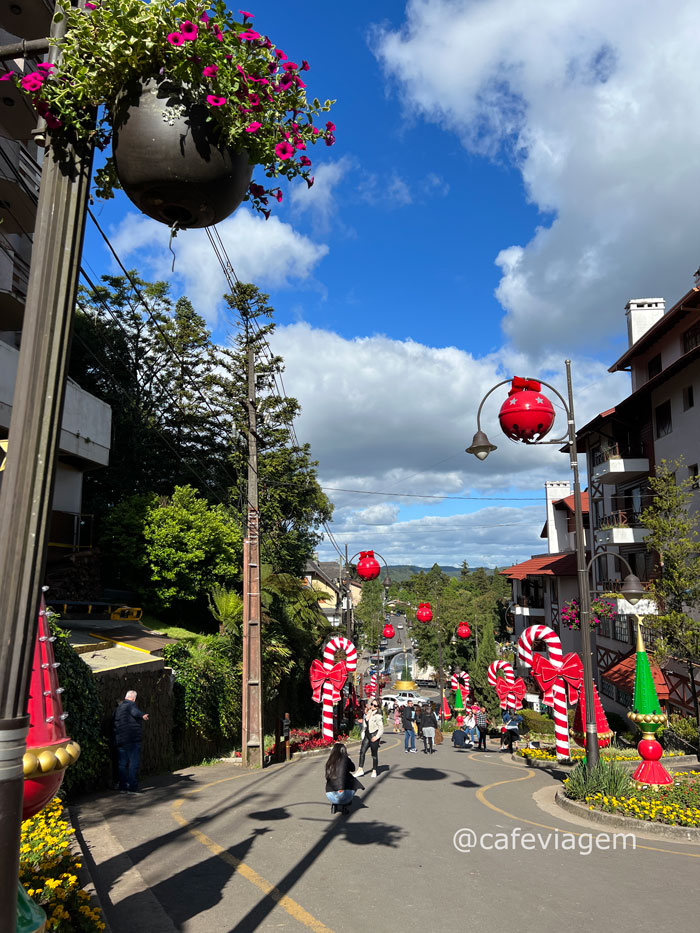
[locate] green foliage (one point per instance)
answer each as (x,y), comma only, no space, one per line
(369,613)
(227,608)
(81,702)
(478,671)
(608,777)
(680,734)
(536,722)
(207,691)
(190,546)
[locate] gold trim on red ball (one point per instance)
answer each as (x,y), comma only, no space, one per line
(38,762)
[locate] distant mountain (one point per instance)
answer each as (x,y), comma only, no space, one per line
(400,572)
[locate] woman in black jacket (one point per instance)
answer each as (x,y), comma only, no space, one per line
(428,722)
(340,784)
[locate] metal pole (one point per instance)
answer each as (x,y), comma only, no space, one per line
(592,750)
(29,475)
(253,736)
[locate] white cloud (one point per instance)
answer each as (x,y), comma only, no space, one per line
(390,417)
(592,101)
(320,200)
(268,252)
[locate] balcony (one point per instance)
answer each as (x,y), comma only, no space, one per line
(624,526)
(617,463)
(14,281)
(529,606)
(19,187)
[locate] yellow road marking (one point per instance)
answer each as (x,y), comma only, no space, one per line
(287,903)
(480,796)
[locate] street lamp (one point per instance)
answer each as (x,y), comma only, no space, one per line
(632,588)
(532,422)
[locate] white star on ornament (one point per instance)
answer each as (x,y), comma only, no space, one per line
(513,402)
(539,400)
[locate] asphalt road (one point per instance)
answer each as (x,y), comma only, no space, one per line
(222,849)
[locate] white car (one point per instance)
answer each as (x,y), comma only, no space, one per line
(402,698)
(399,625)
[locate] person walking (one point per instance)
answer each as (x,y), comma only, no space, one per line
(428,721)
(128,729)
(370,734)
(340,782)
(482,724)
(397,717)
(409,735)
(512,729)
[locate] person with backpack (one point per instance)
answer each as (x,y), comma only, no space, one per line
(512,722)
(428,722)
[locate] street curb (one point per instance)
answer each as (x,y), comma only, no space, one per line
(677,833)
(77,845)
(669,763)
(140,909)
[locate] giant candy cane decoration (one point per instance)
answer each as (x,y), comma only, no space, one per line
(327,678)
(559,677)
(460,681)
(510,691)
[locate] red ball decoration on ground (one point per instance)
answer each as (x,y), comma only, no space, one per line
(424,613)
(527,414)
(463,630)
(368,566)
(388,630)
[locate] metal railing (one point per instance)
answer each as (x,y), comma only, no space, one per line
(617,451)
(620,518)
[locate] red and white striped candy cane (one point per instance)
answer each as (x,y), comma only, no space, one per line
(331,695)
(508,676)
(556,697)
(460,680)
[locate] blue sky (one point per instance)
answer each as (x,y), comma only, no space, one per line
(506,176)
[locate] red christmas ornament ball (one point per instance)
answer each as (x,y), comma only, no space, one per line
(368,566)
(650,750)
(527,414)
(463,630)
(388,630)
(424,613)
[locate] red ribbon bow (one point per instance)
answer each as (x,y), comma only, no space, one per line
(319,674)
(570,673)
(506,691)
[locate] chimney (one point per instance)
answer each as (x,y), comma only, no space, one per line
(642,314)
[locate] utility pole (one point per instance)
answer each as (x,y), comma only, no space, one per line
(27,487)
(253,736)
(440,661)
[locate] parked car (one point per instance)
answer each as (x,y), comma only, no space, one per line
(402,698)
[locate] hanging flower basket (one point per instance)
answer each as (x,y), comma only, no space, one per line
(601,609)
(188,73)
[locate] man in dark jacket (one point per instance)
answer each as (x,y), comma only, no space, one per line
(407,718)
(128,726)
(459,738)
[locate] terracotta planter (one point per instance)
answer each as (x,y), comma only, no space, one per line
(169,161)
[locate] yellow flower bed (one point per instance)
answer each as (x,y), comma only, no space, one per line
(48,870)
(543,754)
(648,809)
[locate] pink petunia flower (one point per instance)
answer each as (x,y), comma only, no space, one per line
(330,127)
(215,101)
(88,6)
(210,71)
(284,83)
(278,195)
(280,54)
(48,67)
(189,30)
(330,140)
(253,127)
(256,190)
(218,33)
(249,35)
(266,44)
(298,81)
(310,182)
(300,144)
(176,38)
(290,66)
(204,18)
(246,13)
(8,76)
(284,150)
(305,160)
(304,65)
(254,100)
(32,82)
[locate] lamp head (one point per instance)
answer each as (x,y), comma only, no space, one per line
(632,589)
(481,446)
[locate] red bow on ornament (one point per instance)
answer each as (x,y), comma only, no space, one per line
(570,672)
(515,690)
(319,674)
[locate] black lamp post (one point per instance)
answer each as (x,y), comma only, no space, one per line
(481,447)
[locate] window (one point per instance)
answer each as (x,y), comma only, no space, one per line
(664,425)
(688,400)
(607,688)
(691,338)
(622,629)
(624,699)
(654,366)
(693,474)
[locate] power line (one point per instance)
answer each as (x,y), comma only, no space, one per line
(409,495)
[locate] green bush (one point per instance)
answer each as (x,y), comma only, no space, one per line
(681,734)
(608,777)
(536,722)
(82,703)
